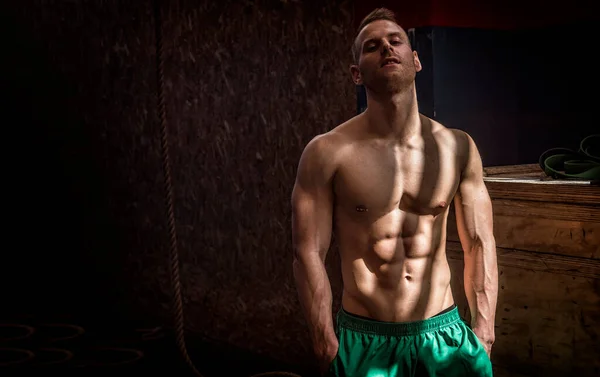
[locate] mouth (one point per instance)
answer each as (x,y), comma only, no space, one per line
(390,62)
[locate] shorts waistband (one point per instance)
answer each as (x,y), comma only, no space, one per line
(350,322)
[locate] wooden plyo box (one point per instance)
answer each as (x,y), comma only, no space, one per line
(548,245)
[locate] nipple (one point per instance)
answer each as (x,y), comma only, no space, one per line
(442,204)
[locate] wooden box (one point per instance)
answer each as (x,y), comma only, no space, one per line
(548,243)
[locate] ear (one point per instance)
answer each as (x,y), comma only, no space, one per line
(418,66)
(356,76)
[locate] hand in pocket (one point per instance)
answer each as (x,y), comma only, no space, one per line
(327,357)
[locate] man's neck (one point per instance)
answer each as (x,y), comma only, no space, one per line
(394,116)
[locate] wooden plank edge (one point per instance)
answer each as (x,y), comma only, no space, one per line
(556,264)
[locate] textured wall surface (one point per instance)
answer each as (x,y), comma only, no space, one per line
(247,85)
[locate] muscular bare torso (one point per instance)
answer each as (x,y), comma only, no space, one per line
(390,211)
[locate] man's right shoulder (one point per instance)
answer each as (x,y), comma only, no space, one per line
(325,143)
(333,142)
(323,154)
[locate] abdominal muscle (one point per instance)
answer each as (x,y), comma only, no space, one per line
(390,276)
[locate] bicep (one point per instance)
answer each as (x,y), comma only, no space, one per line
(472,203)
(312,204)
(311,221)
(473,213)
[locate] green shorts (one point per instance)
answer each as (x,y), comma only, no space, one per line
(439,346)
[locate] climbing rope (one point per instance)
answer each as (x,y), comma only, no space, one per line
(168,188)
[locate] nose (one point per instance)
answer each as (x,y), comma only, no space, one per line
(386,47)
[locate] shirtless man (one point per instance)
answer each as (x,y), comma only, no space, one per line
(383,182)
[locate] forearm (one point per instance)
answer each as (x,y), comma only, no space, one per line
(314,292)
(481,288)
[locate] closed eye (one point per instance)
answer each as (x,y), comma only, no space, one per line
(370,47)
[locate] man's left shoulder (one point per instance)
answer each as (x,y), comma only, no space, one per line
(453,137)
(458,142)
(461,136)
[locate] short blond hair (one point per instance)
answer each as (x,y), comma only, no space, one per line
(376,15)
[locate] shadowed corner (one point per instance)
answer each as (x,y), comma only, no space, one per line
(57,190)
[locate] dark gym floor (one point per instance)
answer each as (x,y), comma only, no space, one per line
(96,352)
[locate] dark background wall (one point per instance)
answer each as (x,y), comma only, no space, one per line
(249,85)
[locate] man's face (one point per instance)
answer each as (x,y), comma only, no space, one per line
(387,62)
